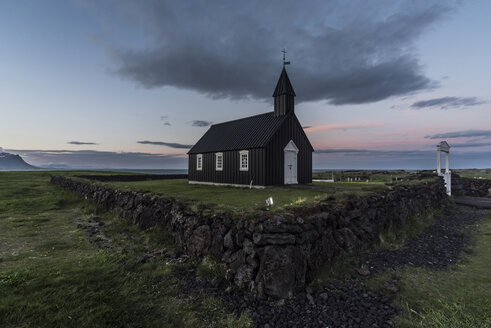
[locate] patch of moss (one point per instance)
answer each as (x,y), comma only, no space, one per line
(210,268)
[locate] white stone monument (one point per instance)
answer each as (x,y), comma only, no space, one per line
(447,176)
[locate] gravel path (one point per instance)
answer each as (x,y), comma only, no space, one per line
(478,202)
(437,247)
(336,306)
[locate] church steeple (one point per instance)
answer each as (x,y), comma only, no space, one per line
(284,95)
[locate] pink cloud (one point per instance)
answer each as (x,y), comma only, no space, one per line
(332,127)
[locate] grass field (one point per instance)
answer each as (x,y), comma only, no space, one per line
(363,175)
(245,200)
(474,173)
(459,296)
(52,276)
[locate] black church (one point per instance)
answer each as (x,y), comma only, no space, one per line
(261,150)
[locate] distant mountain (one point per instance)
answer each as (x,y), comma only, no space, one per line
(13,162)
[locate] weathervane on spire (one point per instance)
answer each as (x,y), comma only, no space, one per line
(284,61)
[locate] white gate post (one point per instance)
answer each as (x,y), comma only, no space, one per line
(447,176)
(438,161)
(447,162)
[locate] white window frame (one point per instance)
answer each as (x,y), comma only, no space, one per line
(199,160)
(218,155)
(242,153)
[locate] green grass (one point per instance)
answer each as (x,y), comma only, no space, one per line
(371,175)
(474,173)
(455,297)
(210,268)
(459,296)
(396,237)
(245,200)
(52,276)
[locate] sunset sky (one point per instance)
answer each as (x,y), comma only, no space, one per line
(133,84)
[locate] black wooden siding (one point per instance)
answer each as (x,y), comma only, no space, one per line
(231,168)
(266,165)
(283,105)
(275,157)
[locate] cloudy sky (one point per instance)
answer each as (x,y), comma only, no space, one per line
(110,83)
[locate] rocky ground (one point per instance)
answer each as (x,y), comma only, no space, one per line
(347,304)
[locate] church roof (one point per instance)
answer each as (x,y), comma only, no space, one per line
(246,133)
(284,86)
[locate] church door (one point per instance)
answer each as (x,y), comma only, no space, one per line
(291,152)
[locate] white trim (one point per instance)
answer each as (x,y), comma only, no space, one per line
(226,184)
(199,160)
(241,153)
(217,168)
(291,147)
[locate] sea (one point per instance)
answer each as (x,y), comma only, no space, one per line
(109,170)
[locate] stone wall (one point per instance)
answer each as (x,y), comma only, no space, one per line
(470,187)
(270,254)
(132,177)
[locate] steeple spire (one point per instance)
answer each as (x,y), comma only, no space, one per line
(284,86)
(284,95)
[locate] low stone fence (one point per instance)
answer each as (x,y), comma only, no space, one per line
(470,187)
(270,254)
(132,177)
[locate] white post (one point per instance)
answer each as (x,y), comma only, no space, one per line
(438,161)
(447,162)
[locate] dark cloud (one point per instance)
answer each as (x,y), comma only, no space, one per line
(101,159)
(344,53)
(306,126)
(448,102)
(471,144)
(167,123)
(461,134)
(168,144)
(201,123)
(81,143)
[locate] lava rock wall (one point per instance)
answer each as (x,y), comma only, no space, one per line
(270,255)
(470,187)
(132,177)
